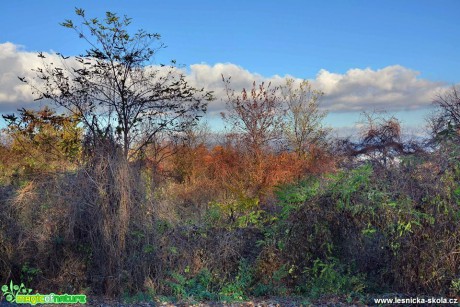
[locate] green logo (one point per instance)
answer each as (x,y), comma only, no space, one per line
(21,295)
(13,290)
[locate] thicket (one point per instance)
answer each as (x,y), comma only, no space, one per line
(275,207)
(197,226)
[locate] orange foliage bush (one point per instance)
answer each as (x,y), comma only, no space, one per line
(227,172)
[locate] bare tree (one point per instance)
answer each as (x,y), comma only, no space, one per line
(381,141)
(445,122)
(114,87)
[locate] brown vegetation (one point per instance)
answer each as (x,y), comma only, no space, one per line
(272,208)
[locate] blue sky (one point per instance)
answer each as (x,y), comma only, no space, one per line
(324,41)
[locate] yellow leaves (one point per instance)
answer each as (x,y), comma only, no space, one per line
(42,137)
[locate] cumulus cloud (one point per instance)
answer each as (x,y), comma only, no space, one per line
(210,78)
(391,88)
(14,63)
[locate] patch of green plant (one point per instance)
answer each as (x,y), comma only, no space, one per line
(242,212)
(299,192)
(29,273)
(290,198)
(345,184)
(332,277)
(262,289)
(137,235)
(276,285)
(213,214)
(236,291)
(197,288)
(162,226)
(455,286)
(252,218)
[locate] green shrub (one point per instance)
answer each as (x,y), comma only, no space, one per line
(197,288)
(237,290)
(332,277)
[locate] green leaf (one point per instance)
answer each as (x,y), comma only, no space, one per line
(67,24)
(80,12)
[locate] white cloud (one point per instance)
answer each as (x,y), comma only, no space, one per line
(392,88)
(210,77)
(13,63)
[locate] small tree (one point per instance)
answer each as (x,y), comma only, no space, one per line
(303,126)
(125,103)
(256,115)
(114,87)
(445,122)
